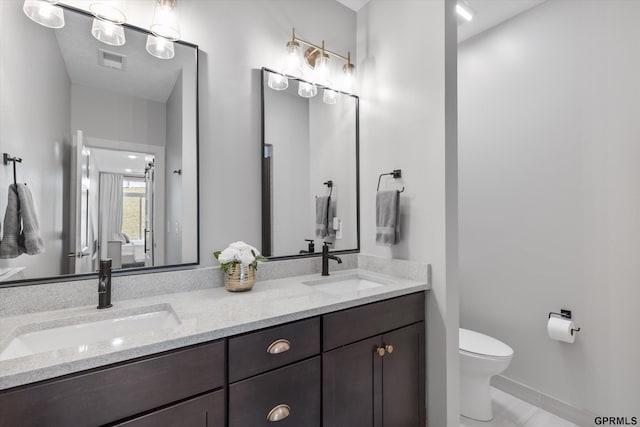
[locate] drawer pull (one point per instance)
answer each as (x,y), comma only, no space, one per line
(279,346)
(389,348)
(380,351)
(278,413)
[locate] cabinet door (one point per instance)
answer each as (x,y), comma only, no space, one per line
(403,372)
(351,386)
(203,411)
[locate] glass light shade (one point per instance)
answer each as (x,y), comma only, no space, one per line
(322,72)
(164,22)
(44,12)
(329,96)
(108,32)
(278,81)
(160,47)
(293,63)
(108,11)
(307,90)
(349,78)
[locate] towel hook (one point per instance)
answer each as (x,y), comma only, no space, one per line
(397,173)
(330,185)
(6,158)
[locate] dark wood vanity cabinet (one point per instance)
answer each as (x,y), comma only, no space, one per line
(379,380)
(334,370)
(202,411)
(275,376)
(105,396)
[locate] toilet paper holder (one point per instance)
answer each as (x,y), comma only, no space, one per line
(565,314)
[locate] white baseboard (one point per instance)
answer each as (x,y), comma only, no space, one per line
(581,417)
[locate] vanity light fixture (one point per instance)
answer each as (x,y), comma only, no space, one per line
(164,22)
(293,63)
(165,27)
(44,12)
(464,11)
(316,58)
(107,23)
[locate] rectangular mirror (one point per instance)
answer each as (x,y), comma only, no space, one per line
(108,142)
(309,171)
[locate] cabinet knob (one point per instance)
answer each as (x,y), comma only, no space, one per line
(388,348)
(380,351)
(278,413)
(279,346)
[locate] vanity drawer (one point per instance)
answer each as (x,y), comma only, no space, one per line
(109,394)
(294,389)
(271,348)
(354,324)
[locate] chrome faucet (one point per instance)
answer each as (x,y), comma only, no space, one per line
(104,284)
(326,257)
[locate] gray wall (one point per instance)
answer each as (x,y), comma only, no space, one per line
(403,126)
(110,115)
(173,207)
(37,132)
(549,200)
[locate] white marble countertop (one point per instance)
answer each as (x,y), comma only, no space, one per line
(204,315)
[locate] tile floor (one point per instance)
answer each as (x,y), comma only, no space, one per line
(509,411)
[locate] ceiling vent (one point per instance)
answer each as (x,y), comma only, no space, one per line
(112,60)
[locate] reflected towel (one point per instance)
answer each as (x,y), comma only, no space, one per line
(9,248)
(323,205)
(387,217)
(331,233)
(31,242)
(21,228)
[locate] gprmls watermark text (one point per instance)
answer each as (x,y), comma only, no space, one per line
(616,421)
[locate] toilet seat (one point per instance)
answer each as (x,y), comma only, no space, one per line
(476,344)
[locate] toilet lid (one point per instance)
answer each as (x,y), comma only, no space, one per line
(475,342)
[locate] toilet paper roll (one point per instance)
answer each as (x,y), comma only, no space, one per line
(560,329)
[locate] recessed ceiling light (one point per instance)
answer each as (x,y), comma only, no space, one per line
(128,170)
(464,12)
(131,156)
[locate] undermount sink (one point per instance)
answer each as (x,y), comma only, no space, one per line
(79,332)
(350,284)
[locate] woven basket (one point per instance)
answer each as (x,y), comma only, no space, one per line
(240,278)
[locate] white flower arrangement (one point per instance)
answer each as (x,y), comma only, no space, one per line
(239,253)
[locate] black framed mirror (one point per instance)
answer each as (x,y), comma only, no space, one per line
(310,169)
(108,141)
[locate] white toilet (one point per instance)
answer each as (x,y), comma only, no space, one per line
(481,357)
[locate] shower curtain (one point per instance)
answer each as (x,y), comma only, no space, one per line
(110,210)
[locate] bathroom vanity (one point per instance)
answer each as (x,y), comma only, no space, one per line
(308,358)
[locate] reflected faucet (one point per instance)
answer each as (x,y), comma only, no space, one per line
(311,249)
(104,284)
(326,257)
